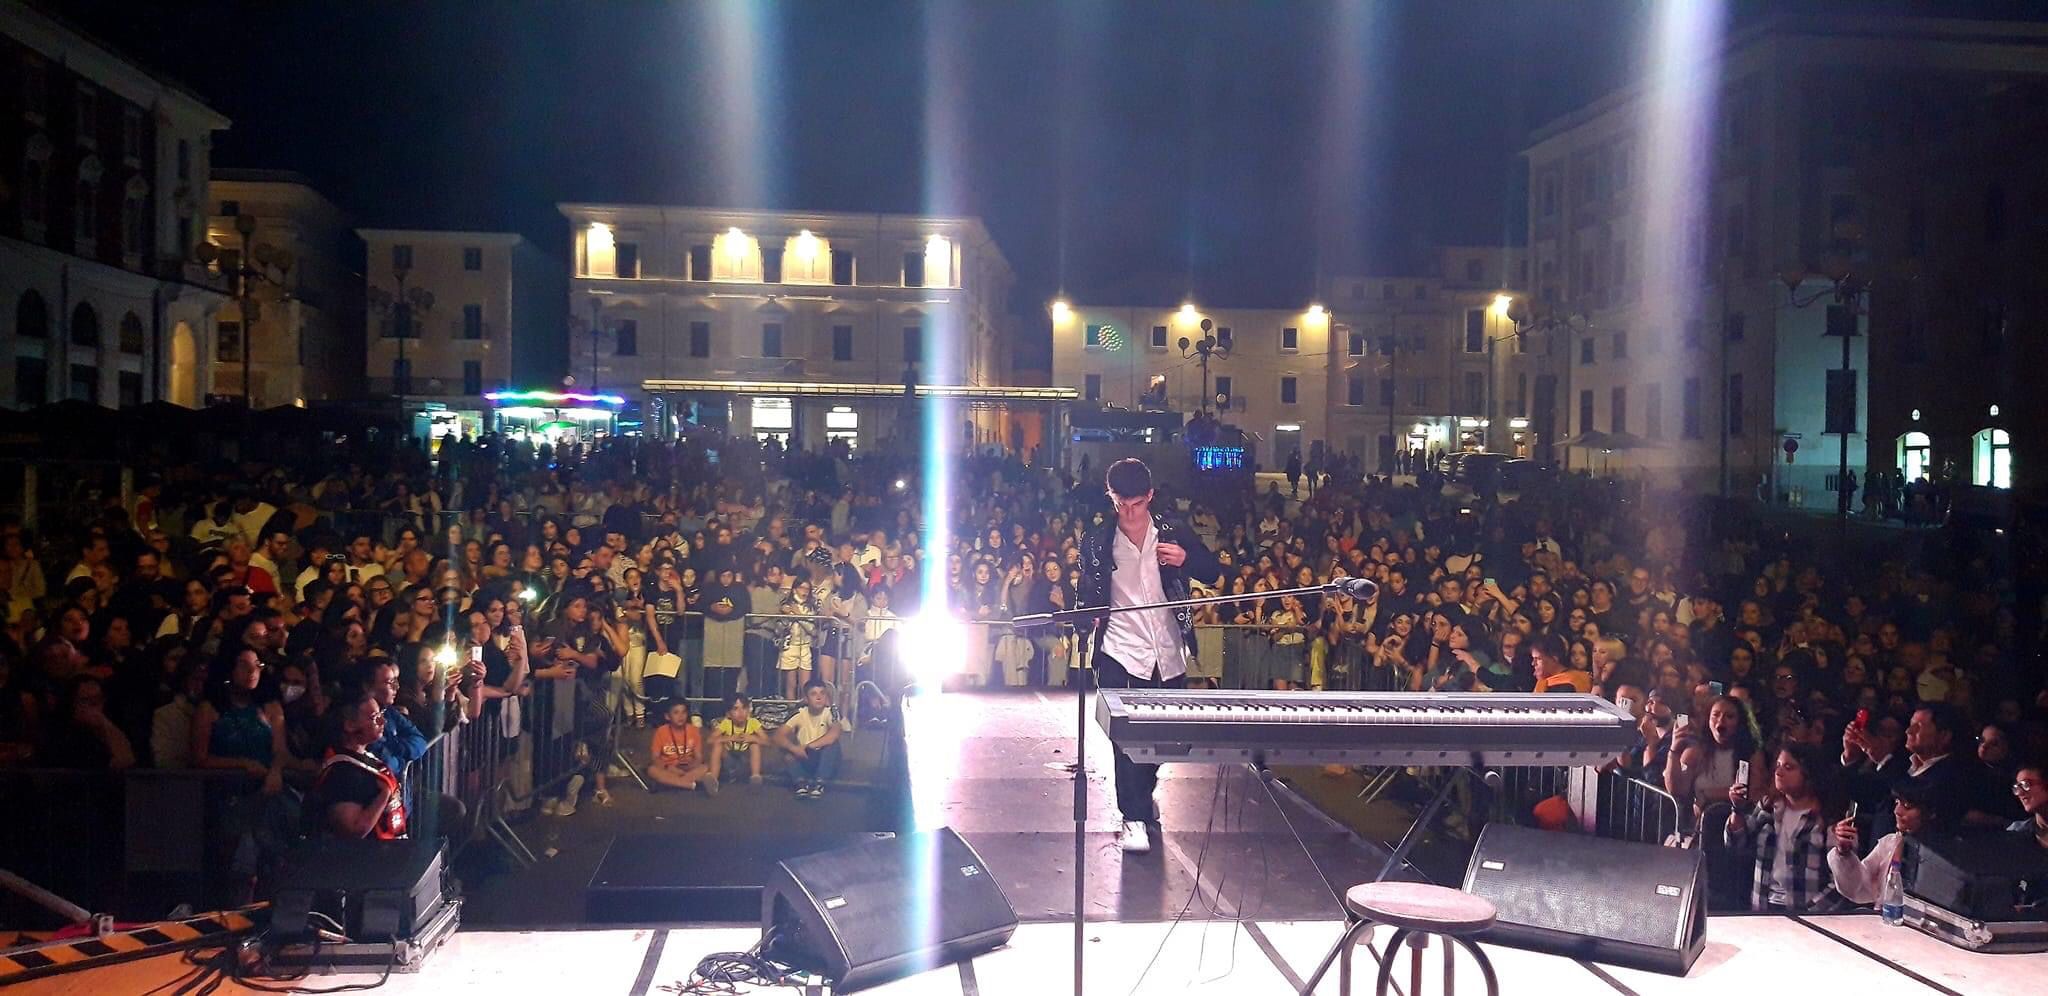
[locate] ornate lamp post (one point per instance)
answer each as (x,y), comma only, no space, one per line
(251,265)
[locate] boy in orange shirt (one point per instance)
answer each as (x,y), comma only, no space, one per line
(677,750)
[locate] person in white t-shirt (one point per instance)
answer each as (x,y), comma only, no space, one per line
(811,738)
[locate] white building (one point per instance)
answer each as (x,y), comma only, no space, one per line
(1798,114)
(106,205)
(305,343)
(794,325)
(1431,362)
(451,316)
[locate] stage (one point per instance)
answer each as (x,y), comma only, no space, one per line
(993,767)
(1853,954)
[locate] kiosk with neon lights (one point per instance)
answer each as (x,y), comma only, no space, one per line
(555,417)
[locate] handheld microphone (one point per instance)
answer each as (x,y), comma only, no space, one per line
(1361,588)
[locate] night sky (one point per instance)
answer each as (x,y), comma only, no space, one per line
(1129,152)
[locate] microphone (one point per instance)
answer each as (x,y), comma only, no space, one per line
(1361,588)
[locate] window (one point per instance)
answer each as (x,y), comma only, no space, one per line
(31,381)
(227,341)
(1475,271)
(401,376)
(1735,404)
(231,209)
(128,388)
(1617,408)
(627,255)
(1475,392)
(184,159)
(700,339)
(1547,199)
(401,257)
(1689,409)
(472,258)
(1732,326)
(1586,351)
(1354,391)
(1287,388)
(85,326)
(88,117)
(85,383)
(842,343)
(1158,337)
(1585,410)
(1621,344)
(472,377)
(1290,340)
(88,205)
(132,338)
(626,337)
(31,316)
(913,343)
(913,269)
(1387,391)
(1223,336)
(842,268)
(472,321)
(1521,394)
(842,423)
(1357,345)
(133,214)
(1092,389)
(774,418)
(1653,411)
(1475,330)
(771,339)
(1421,391)
(1091,336)
(35,186)
(700,262)
(1223,386)
(771,266)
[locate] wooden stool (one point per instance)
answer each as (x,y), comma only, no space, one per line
(1416,911)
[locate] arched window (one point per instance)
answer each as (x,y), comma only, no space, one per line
(85,325)
(1991,458)
(35,183)
(1915,456)
(87,206)
(134,236)
(132,337)
(32,316)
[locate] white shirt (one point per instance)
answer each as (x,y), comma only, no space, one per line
(1861,880)
(1919,767)
(1148,639)
(810,727)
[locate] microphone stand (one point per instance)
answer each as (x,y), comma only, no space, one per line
(1081,683)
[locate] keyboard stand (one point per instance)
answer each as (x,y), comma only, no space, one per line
(1399,856)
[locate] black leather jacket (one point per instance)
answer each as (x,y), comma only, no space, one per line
(1098,559)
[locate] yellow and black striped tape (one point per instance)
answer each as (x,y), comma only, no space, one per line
(155,938)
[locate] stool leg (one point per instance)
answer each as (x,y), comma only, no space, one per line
(1345,946)
(1450,967)
(1386,977)
(1485,966)
(1416,944)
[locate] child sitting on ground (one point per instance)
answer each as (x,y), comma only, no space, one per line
(737,733)
(677,752)
(811,736)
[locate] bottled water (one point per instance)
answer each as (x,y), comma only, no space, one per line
(1892,901)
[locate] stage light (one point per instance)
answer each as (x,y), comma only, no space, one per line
(933,646)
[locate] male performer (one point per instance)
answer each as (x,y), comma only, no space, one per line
(1139,558)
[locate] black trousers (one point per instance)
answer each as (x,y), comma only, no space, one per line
(1134,781)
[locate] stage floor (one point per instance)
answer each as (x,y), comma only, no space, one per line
(1849,954)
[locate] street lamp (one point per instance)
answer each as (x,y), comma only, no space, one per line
(1534,318)
(403,311)
(251,265)
(1207,349)
(1845,291)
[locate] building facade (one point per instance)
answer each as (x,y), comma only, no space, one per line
(1432,362)
(789,324)
(303,338)
(452,316)
(1729,360)
(104,206)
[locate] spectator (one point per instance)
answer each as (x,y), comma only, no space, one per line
(1860,880)
(675,752)
(1790,833)
(811,738)
(738,734)
(357,795)
(83,736)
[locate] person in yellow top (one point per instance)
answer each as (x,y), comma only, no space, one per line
(677,750)
(738,733)
(1553,674)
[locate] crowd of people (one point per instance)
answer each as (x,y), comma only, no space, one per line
(316,620)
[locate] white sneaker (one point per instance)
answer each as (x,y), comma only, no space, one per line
(1132,838)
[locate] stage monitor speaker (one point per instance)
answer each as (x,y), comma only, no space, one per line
(1636,905)
(883,909)
(1992,877)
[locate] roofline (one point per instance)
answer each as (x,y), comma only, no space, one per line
(171,90)
(1785,25)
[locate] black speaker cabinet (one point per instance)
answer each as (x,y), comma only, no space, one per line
(883,909)
(1636,905)
(1992,877)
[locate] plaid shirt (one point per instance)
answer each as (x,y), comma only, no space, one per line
(1805,855)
